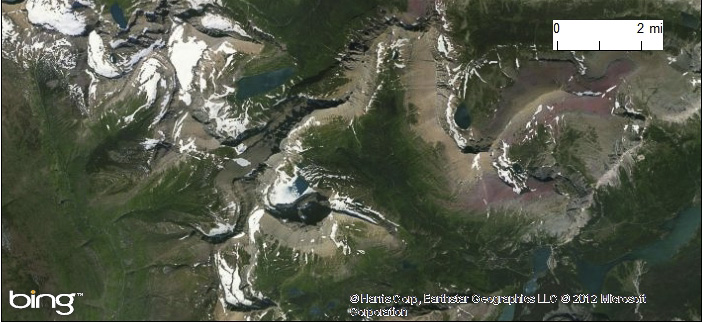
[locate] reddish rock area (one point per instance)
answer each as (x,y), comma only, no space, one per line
(537,78)
(490,190)
(534,80)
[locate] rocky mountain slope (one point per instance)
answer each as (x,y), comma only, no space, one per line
(221,159)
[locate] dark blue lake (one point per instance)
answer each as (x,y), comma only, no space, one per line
(681,230)
(258,84)
(118,15)
(539,264)
(462,117)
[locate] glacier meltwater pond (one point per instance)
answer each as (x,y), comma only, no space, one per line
(118,15)
(462,116)
(258,84)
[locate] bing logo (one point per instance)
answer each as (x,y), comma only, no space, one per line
(23,301)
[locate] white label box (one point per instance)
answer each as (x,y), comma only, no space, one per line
(607,34)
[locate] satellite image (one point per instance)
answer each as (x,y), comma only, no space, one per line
(349,160)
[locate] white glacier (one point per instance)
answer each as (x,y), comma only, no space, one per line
(185,53)
(217,22)
(56,15)
(96,57)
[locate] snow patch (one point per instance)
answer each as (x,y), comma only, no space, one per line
(96,57)
(115,43)
(227,49)
(219,229)
(255,223)
(581,63)
(188,147)
(217,22)
(230,281)
(345,249)
(197,4)
(372,98)
(440,8)
(178,126)
(588,93)
(185,53)
(507,172)
(148,81)
(380,57)
(284,189)
(150,144)
(241,148)
(636,128)
(444,46)
(56,15)
(76,93)
(242,162)
(218,108)
(347,205)
(8,30)
(476,162)
(134,59)
(259,30)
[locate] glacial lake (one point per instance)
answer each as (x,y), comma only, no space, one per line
(681,230)
(258,84)
(118,15)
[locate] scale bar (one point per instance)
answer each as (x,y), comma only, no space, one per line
(610,35)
